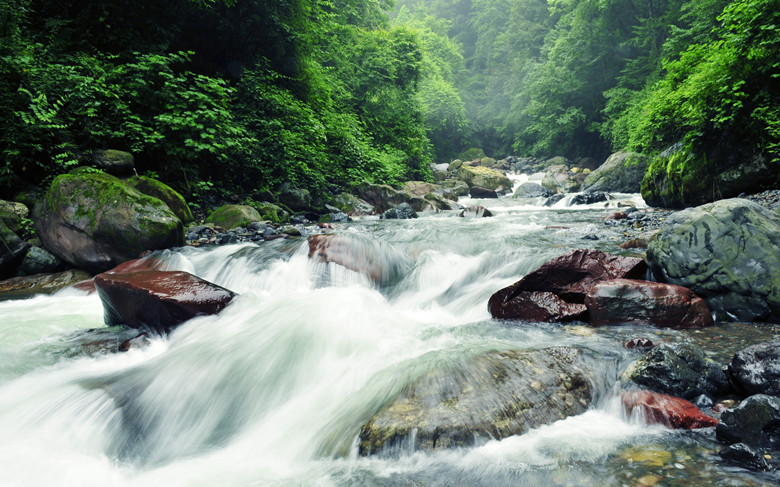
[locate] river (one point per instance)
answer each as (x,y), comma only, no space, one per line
(274,389)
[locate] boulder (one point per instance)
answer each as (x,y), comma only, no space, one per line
(620,301)
(475,212)
(271,213)
(94,221)
(725,252)
(12,214)
(755,422)
(296,199)
(679,369)
(471,154)
(622,172)
(232,216)
(569,276)
(424,190)
(158,301)
(371,258)
(38,261)
(114,162)
(559,180)
(458,187)
(480,192)
(589,198)
(532,190)
(669,411)
(164,193)
(484,178)
(489,396)
(404,211)
(381,196)
(26,286)
(534,306)
(12,251)
(756,369)
(744,456)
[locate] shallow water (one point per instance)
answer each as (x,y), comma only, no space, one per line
(273,390)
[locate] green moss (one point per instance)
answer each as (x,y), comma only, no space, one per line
(472,154)
(682,179)
(163,192)
(271,212)
(232,216)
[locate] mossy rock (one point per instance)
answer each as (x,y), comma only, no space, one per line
(116,162)
(12,213)
(472,154)
(487,162)
(232,216)
(622,172)
(12,251)
(271,212)
(352,205)
(165,193)
(94,221)
(484,177)
(679,180)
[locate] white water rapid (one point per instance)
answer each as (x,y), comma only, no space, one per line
(274,389)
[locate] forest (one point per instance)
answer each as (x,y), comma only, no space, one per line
(242,96)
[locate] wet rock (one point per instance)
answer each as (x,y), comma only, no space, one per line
(588,198)
(368,257)
(554,199)
(228,217)
(532,190)
(756,422)
(534,306)
(140,342)
(94,221)
(669,411)
(39,261)
(745,456)
(620,301)
(641,343)
(569,276)
(622,172)
(559,180)
(158,301)
(679,369)
(756,369)
(404,211)
(115,162)
(26,286)
(479,192)
(725,252)
(12,251)
(475,212)
(490,396)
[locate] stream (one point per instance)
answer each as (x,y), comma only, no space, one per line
(273,390)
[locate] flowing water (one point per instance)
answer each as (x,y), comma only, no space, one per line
(274,389)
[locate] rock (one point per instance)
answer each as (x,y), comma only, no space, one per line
(588,198)
(140,342)
(487,162)
(233,216)
(39,261)
(94,221)
(271,212)
(423,190)
(669,411)
(404,211)
(534,306)
(296,199)
(490,396)
(164,193)
(587,163)
(679,369)
(12,251)
(744,456)
(12,214)
(640,242)
(532,190)
(569,276)
(725,252)
(554,199)
(475,212)
(158,301)
(638,344)
(455,165)
(559,180)
(622,172)
(372,258)
(756,369)
(458,187)
(620,301)
(471,154)
(484,178)
(480,192)
(754,422)
(381,196)
(26,286)
(114,162)
(440,203)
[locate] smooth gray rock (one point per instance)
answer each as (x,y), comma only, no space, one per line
(622,172)
(532,190)
(725,252)
(38,261)
(115,162)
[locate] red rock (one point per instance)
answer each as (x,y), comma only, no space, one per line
(618,215)
(669,411)
(569,276)
(535,306)
(140,264)
(619,301)
(158,300)
(353,254)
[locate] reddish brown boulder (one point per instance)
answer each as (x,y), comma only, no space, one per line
(534,306)
(620,301)
(147,263)
(669,411)
(569,277)
(366,257)
(158,300)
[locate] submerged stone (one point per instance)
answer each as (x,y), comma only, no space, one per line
(669,411)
